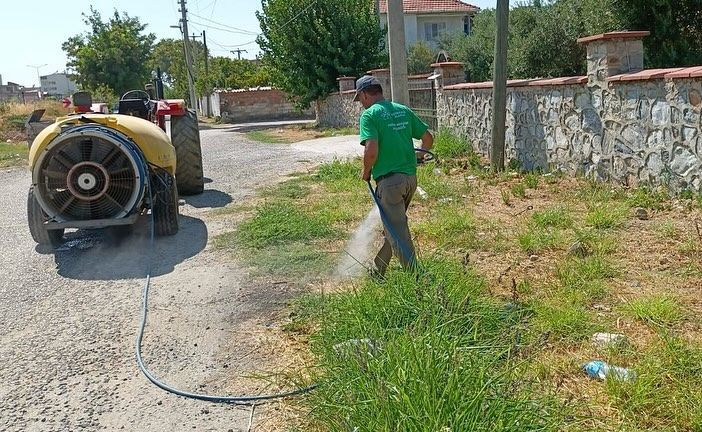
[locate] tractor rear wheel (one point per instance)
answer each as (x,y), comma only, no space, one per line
(185,136)
(36,218)
(164,206)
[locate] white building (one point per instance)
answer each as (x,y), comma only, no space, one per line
(57,84)
(425,20)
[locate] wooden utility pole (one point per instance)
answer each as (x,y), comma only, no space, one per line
(499,94)
(188,57)
(398,52)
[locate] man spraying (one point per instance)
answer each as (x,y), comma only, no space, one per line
(386,130)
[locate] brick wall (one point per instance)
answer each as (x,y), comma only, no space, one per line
(258,105)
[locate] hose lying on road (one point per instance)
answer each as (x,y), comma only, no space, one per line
(246,399)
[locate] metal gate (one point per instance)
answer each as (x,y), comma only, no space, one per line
(422,100)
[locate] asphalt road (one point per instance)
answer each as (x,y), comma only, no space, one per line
(68,318)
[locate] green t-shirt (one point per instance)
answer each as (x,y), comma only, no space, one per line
(392,126)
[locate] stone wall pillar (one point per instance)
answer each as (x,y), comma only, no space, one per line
(383,75)
(614,53)
(608,54)
(448,73)
(346,83)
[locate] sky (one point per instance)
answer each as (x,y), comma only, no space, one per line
(32,34)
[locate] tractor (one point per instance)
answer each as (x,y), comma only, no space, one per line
(92,170)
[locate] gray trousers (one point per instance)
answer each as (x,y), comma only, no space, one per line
(395,193)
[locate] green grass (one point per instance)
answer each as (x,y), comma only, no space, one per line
(290,189)
(448,145)
(605,216)
(518,190)
(659,310)
(561,320)
(667,393)
(450,226)
(440,358)
(506,199)
(558,217)
(648,198)
(584,280)
(280,222)
(436,186)
(13,154)
(531,180)
(535,239)
(267,137)
(341,175)
(667,230)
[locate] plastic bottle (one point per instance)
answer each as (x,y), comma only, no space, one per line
(600,369)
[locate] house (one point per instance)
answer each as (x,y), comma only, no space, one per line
(57,85)
(17,93)
(425,20)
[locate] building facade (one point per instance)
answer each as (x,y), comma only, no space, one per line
(426,20)
(57,85)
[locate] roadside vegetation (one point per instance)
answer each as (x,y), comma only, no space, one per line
(296,133)
(519,271)
(13,136)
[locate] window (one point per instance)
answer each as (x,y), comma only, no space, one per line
(467,24)
(433,30)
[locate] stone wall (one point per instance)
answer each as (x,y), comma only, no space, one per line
(338,110)
(633,132)
(619,123)
(258,105)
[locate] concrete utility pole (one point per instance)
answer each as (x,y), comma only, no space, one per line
(398,53)
(208,106)
(238,52)
(499,86)
(188,58)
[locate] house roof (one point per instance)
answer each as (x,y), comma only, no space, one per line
(431,6)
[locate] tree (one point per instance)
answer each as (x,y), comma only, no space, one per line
(113,54)
(676,36)
(308,44)
(419,58)
(168,56)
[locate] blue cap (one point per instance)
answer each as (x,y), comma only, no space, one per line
(363,83)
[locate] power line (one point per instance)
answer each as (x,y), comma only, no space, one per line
(232,46)
(210,26)
(224,25)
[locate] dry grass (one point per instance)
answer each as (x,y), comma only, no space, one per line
(13,116)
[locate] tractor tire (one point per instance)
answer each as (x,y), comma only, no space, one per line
(36,218)
(164,206)
(185,136)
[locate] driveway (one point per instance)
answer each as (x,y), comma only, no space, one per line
(68,318)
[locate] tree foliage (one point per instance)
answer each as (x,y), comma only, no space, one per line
(112,55)
(676,34)
(308,43)
(420,56)
(224,72)
(543,35)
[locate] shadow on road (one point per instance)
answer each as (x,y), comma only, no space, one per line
(114,253)
(210,198)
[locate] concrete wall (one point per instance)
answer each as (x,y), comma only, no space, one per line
(258,105)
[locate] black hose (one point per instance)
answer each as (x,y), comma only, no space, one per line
(140,335)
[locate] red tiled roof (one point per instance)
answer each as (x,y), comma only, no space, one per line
(522,83)
(431,6)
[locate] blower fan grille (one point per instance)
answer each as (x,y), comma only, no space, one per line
(88,175)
